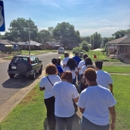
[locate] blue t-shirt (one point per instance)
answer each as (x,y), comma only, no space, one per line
(77,59)
(60,70)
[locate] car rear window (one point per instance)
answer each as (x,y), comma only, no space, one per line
(20,59)
(61,48)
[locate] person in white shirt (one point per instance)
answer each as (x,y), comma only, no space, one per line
(72,66)
(65,60)
(88,61)
(95,103)
(46,84)
(103,78)
(65,95)
(81,64)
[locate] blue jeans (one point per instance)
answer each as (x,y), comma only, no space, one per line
(64,122)
(88,125)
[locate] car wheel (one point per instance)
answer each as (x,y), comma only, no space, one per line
(34,75)
(40,71)
(11,76)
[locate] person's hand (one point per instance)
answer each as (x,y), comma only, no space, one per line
(112,126)
(79,82)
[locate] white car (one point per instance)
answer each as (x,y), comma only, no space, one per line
(61,50)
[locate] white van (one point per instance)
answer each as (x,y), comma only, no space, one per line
(61,50)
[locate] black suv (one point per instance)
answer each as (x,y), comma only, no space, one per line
(25,65)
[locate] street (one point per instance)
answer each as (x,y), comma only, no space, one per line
(9,87)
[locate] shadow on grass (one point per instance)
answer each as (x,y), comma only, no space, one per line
(75,126)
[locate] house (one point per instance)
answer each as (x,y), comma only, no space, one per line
(5,43)
(119,47)
(52,45)
(72,45)
(33,45)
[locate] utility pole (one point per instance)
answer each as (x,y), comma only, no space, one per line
(29,35)
(129,29)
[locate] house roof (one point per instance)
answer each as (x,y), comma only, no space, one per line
(6,42)
(31,43)
(74,44)
(54,43)
(122,40)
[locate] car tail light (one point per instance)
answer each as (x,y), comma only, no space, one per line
(11,60)
(29,61)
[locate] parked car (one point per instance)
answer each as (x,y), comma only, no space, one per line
(61,50)
(25,65)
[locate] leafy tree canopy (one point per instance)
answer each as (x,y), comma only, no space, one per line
(44,36)
(66,33)
(96,40)
(121,33)
(85,45)
(19,30)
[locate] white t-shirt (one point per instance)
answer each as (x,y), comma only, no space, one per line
(65,60)
(72,71)
(96,100)
(103,78)
(81,64)
(47,85)
(83,69)
(64,93)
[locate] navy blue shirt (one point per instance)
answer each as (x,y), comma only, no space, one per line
(60,70)
(77,59)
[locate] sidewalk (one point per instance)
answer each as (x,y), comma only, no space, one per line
(2,60)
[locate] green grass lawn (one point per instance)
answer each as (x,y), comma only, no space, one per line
(100,56)
(32,52)
(36,52)
(121,93)
(117,69)
(31,113)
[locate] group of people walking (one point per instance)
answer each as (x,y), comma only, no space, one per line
(94,99)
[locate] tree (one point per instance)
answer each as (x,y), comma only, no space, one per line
(66,33)
(50,30)
(106,39)
(96,40)
(85,46)
(43,36)
(128,31)
(88,39)
(19,30)
(119,34)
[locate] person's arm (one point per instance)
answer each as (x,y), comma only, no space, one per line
(81,109)
(64,65)
(113,117)
(111,88)
(76,99)
(80,78)
(79,69)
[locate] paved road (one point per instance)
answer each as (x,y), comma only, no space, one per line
(9,87)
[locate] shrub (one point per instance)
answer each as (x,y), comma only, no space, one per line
(85,46)
(78,50)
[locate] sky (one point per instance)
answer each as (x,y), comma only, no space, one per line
(87,16)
